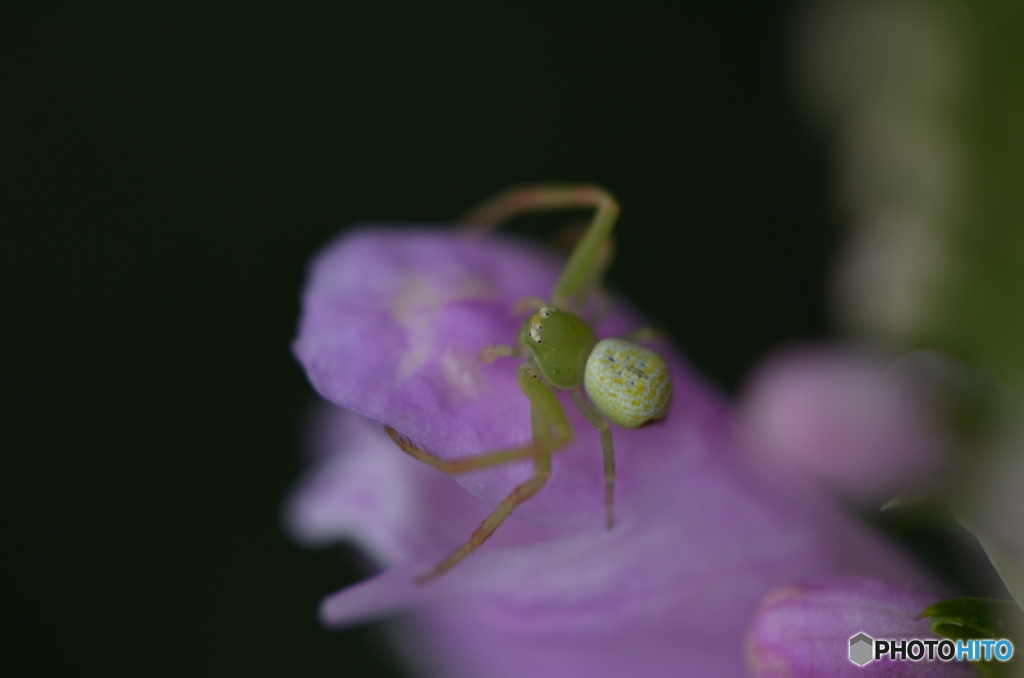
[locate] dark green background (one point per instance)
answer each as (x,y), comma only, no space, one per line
(169,172)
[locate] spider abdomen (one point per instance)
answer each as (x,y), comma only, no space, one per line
(631,385)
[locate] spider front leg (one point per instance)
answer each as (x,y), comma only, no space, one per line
(551,432)
(593,253)
(642,335)
(488,354)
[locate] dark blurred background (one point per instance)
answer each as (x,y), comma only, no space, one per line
(171,171)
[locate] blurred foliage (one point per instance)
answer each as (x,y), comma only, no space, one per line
(968,618)
(981,311)
(926,99)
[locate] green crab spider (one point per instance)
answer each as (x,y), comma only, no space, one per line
(609,380)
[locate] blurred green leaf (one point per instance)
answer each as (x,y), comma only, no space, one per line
(978,617)
(968,618)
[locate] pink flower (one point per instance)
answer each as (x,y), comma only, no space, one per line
(798,628)
(853,419)
(392,322)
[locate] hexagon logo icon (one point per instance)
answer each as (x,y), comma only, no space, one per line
(861,649)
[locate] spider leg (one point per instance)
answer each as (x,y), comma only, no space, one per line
(528,305)
(547,416)
(595,418)
(488,354)
(592,254)
(642,334)
(590,283)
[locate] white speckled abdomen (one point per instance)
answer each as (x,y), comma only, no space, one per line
(631,385)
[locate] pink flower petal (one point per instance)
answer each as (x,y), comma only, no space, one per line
(805,630)
(840,413)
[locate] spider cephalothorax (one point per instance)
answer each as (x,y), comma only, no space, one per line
(560,343)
